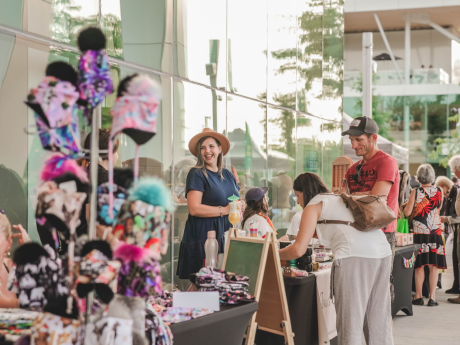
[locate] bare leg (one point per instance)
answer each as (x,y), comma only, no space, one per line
(433,281)
(419,278)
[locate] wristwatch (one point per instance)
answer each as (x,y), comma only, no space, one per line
(220,207)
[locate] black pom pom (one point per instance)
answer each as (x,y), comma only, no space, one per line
(63,71)
(100,245)
(82,187)
(123,86)
(91,38)
(29,252)
(123,177)
(58,306)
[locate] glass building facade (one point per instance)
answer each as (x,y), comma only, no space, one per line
(266,73)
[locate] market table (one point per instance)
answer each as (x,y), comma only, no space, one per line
(224,327)
(402,280)
(301,297)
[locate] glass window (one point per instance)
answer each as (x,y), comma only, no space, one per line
(200,41)
(281,164)
(282,53)
(332,148)
(140,31)
(247,48)
(309,145)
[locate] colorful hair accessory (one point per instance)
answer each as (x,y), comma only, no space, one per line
(103,197)
(139,273)
(58,165)
(94,79)
(50,329)
(143,225)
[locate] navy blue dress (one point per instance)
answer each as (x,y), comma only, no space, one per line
(215,193)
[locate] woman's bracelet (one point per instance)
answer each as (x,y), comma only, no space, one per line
(220,207)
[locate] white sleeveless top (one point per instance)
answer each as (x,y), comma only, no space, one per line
(345,241)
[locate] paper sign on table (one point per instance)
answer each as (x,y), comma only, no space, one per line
(198,300)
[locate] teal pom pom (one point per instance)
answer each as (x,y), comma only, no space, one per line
(152,191)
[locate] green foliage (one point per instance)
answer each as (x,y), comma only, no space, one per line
(380,117)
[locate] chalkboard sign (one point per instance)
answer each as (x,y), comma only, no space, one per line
(244,259)
(258,259)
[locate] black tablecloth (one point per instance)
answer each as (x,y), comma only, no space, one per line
(224,327)
(402,280)
(301,297)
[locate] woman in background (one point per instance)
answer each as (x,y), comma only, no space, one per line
(207,190)
(423,207)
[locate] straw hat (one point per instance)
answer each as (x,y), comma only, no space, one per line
(208,132)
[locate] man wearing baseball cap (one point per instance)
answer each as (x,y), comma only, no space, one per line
(377,173)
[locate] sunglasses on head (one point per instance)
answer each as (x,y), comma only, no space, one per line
(357,175)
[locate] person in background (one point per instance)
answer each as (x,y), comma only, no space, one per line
(454,164)
(257,209)
(448,209)
(451,212)
(423,208)
(377,173)
(362,262)
(8,299)
(455,180)
(207,190)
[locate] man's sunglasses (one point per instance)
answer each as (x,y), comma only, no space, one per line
(357,175)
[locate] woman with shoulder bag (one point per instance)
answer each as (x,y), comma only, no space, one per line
(362,261)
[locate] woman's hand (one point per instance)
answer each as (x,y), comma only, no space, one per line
(23,236)
(226,210)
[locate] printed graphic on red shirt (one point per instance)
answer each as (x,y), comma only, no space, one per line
(381,167)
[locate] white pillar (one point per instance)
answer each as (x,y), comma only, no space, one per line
(407,78)
(367,74)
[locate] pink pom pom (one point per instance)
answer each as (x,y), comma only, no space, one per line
(129,252)
(51,170)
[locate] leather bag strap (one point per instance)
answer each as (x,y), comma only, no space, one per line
(325,221)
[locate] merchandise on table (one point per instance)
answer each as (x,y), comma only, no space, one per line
(232,288)
(253,228)
(16,319)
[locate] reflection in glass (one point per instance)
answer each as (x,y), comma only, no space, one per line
(200,41)
(247,47)
(281,165)
(309,145)
(332,148)
(282,49)
(146,31)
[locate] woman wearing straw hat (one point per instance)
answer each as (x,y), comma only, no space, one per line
(207,190)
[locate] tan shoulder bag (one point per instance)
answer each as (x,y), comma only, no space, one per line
(371,212)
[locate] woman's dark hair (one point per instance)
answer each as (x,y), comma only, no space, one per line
(254,207)
(310,185)
(104,138)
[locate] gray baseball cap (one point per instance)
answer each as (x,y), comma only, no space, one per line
(362,125)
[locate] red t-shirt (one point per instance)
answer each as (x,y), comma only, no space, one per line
(381,167)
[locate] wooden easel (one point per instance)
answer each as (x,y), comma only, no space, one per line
(273,313)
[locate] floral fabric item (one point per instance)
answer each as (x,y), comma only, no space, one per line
(56,118)
(109,331)
(427,227)
(177,315)
(232,288)
(140,279)
(94,78)
(144,225)
(50,329)
(120,195)
(53,101)
(156,331)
